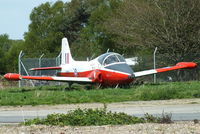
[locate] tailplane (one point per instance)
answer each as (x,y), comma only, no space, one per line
(65,51)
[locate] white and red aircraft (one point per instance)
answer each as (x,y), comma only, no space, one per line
(108,69)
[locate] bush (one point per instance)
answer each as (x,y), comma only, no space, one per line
(87,117)
(96,117)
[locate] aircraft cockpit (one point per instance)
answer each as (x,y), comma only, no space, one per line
(110,58)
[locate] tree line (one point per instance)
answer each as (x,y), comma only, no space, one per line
(129,27)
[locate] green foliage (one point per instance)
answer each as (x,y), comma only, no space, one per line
(44,35)
(94,38)
(51,22)
(87,117)
(172,26)
(9,51)
(5,44)
(96,117)
(129,27)
(11,57)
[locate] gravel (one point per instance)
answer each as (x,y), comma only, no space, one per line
(147,128)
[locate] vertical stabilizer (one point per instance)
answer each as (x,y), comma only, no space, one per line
(66,54)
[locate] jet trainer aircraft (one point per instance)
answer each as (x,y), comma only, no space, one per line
(109,69)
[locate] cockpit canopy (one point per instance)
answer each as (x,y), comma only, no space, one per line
(110,58)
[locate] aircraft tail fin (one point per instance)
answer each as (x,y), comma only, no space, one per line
(66,57)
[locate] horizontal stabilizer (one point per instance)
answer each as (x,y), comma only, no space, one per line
(46,68)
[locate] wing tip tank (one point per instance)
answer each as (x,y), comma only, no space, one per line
(12,76)
(187,64)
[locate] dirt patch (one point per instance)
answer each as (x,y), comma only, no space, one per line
(147,128)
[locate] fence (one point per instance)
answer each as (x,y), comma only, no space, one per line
(147,62)
(144,63)
(25,64)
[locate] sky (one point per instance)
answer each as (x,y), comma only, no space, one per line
(14,16)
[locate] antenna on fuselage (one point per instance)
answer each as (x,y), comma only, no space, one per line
(92,57)
(108,50)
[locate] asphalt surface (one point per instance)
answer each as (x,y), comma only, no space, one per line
(179,112)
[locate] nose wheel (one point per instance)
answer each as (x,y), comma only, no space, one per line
(69,86)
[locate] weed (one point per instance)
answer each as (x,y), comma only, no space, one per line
(196,121)
(165,118)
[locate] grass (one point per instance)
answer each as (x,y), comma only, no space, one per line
(57,95)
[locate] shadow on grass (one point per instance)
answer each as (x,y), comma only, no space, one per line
(21,91)
(61,88)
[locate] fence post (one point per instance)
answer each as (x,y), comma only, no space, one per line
(154,63)
(40,62)
(40,59)
(58,62)
(19,65)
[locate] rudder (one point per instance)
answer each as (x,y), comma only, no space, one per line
(66,57)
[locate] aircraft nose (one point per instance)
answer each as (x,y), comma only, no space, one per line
(6,76)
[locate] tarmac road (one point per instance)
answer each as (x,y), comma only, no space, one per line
(180,109)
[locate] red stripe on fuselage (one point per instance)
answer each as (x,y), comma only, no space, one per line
(108,77)
(114,78)
(77,74)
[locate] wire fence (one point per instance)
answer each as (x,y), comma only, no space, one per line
(143,63)
(25,64)
(146,62)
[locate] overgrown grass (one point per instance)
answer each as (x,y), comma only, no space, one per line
(97,117)
(58,95)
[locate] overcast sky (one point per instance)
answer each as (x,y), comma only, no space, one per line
(14,16)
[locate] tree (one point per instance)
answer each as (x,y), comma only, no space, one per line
(172,26)
(44,35)
(5,44)
(51,22)
(94,38)
(11,57)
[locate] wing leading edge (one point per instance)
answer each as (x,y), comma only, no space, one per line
(179,65)
(12,76)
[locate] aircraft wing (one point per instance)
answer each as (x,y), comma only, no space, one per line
(179,65)
(13,76)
